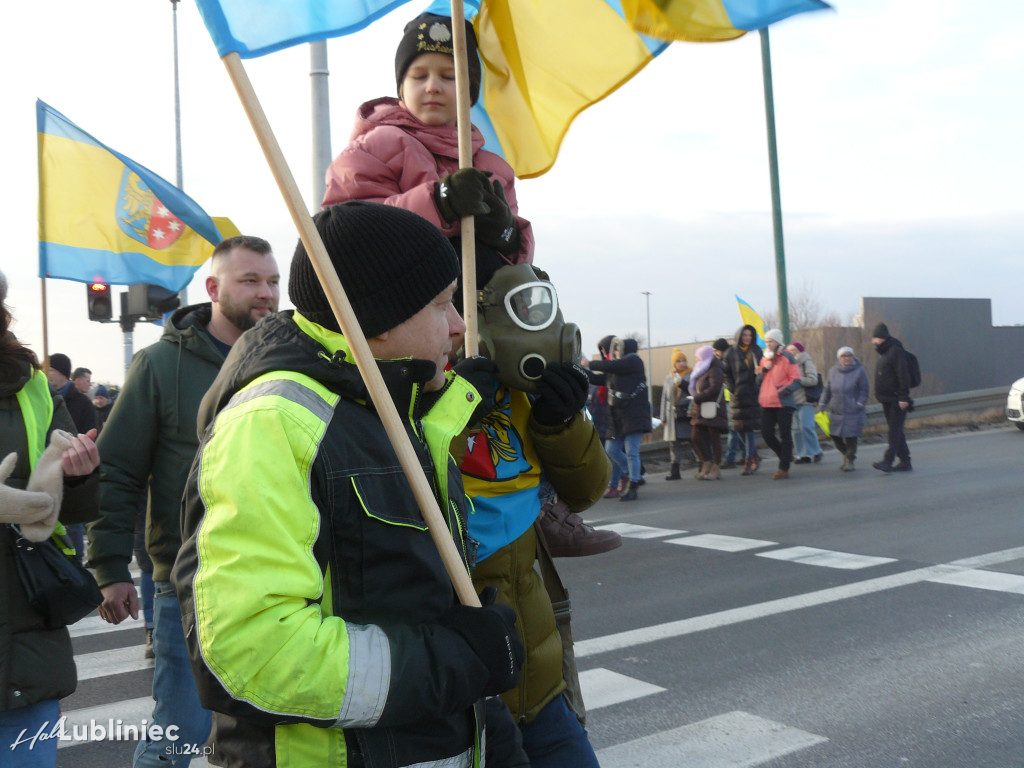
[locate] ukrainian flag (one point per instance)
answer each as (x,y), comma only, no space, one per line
(748,316)
(544,61)
(104,218)
(708,21)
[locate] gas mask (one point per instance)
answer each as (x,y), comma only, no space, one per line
(521,326)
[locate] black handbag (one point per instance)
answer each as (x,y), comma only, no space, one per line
(56,585)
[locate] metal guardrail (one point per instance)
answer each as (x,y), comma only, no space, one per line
(976,400)
(940,405)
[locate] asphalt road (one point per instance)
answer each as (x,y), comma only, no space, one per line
(855,620)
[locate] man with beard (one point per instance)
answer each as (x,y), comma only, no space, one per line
(149,443)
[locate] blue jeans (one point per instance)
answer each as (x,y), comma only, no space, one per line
(805,432)
(174,687)
(148,589)
(744,442)
(625,455)
(21,726)
(555,739)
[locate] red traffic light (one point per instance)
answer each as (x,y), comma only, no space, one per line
(100,308)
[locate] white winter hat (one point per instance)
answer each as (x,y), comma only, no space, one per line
(775,335)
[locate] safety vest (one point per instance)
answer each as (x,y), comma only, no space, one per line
(36,405)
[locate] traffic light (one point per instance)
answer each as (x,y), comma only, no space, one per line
(146,300)
(100,308)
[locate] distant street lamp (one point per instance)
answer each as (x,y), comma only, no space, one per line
(650,375)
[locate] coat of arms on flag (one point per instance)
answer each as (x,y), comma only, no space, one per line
(142,216)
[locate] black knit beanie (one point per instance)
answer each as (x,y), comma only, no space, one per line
(881,331)
(390,261)
(721,345)
(433,34)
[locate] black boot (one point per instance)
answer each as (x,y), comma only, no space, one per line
(630,495)
(673,471)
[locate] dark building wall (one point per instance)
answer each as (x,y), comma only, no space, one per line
(958,348)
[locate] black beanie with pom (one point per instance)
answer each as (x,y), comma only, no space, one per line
(390,261)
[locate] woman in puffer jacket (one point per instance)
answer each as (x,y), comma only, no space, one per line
(780,377)
(845,397)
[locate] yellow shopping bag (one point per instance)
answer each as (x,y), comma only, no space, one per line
(821,419)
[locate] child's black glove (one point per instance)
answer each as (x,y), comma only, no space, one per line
(497,228)
(462,193)
(563,393)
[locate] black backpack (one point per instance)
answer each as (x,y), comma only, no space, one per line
(813,393)
(914,369)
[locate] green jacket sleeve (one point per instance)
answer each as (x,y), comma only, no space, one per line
(574,460)
(126,448)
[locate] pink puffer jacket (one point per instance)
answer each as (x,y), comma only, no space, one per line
(395,159)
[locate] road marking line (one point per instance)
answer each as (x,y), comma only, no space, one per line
(732,740)
(826,558)
(638,531)
(94,625)
(114,661)
(723,543)
(682,627)
(602,688)
(997,582)
(128,711)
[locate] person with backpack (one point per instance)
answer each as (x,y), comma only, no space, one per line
(806,449)
(892,389)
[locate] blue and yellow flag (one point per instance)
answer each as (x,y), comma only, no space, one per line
(544,61)
(254,28)
(104,218)
(708,21)
(750,317)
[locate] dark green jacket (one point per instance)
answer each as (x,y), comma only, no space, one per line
(149,442)
(36,664)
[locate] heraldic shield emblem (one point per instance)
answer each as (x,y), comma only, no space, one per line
(142,216)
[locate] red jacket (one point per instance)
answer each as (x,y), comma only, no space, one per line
(777,381)
(395,159)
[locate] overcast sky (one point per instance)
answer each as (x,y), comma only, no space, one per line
(899,128)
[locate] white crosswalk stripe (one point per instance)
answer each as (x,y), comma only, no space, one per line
(732,740)
(723,543)
(826,558)
(603,688)
(991,580)
(630,531)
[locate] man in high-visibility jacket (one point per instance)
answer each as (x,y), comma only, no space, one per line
(322,626)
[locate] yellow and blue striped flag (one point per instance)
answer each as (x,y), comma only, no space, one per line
(544,61)
(708,21)
(105,218)
(750,317)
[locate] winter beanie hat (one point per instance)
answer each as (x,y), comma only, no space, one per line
(61,363)
(720,345)
(390,261)
(775,335)
(433,34)
(881,331)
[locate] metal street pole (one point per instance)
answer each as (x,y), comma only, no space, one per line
(773,168)
(650,374)
(321,119)
(177,126)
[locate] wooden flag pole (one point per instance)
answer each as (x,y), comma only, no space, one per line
(453,562)
(468,227)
